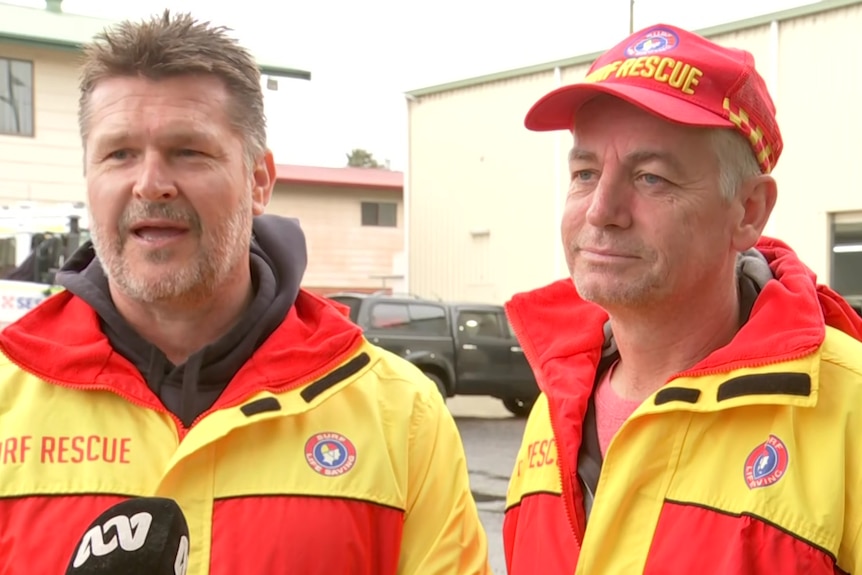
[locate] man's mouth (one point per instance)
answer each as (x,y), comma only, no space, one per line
(158,232)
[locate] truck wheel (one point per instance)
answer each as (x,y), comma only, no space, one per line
(519,407)
(438,382)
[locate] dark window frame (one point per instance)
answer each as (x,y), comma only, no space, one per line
(379,214)
(9,102)
(850,236)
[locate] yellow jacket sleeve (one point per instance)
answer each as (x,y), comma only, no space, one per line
(442,532)
(850,549)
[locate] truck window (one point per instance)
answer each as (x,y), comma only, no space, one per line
(413,318)
(428,320)
(352,302)
(479,324)
(389,316)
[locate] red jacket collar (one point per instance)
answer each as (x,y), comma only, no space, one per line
(61,341)
(553,322)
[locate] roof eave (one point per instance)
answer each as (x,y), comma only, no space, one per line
(72,46)
(50,43)
(324,184)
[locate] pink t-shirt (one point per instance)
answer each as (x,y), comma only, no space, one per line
(611,410)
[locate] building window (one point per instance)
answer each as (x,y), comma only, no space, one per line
(8,255)
(847,257)
(379,214)
(16,97)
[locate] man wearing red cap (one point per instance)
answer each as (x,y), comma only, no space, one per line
(702,395)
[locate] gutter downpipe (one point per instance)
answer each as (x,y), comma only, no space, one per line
(405,196)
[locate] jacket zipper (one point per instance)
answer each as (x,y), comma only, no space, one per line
(313,376)
(565,484)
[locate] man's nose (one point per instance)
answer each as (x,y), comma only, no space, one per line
(610,202)
(154,182)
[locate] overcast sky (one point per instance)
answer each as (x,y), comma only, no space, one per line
(364,55)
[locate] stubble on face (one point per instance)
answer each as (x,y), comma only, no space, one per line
(612,285)
(219,251)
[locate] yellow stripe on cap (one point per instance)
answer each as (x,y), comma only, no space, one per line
(762,150)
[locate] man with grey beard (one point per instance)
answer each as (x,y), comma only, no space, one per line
(183,360)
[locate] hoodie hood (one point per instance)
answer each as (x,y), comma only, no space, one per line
(562,325)
(94,344)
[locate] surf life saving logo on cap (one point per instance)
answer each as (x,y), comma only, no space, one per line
(646,59)
(655,41)
(766,464)
(330,454)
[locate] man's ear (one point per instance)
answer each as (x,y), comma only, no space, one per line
(263,177)
(756,198)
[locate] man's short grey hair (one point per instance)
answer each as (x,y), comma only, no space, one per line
(172,45)
(736,160)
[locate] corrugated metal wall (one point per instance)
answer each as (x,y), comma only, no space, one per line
(481,216)
(819,95)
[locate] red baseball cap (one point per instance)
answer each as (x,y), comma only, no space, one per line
(678,76)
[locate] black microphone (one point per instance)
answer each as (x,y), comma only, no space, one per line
(142,536)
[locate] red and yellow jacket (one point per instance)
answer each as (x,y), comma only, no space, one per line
(749,463)
(324,455)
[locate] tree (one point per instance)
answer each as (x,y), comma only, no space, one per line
(359,158)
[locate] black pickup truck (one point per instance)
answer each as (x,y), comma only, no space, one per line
(466,349)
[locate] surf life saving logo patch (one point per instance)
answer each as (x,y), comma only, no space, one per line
(655,41)
(330,454)
(766,464)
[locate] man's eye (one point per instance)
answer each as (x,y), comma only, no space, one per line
(188,153)
(651,179)
(119,155)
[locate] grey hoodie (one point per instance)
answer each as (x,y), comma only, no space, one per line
(278,260)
